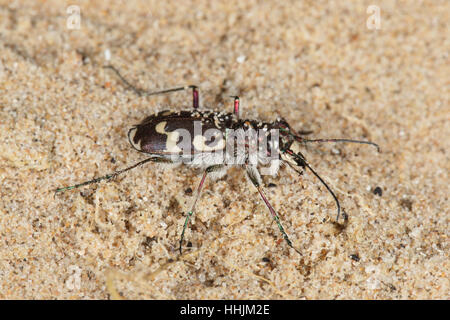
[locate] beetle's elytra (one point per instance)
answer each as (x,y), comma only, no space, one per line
(214,141)
(159,133)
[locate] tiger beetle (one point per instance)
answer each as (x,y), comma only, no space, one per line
(158,135)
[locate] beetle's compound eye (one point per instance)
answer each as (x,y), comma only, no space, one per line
(280,123)
(283,127)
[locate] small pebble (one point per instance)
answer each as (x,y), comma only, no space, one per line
(355,257)
(107,55)
(241,59)
(378,191)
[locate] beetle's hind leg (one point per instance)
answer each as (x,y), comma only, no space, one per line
(141,92)
(114,174)
(255,178)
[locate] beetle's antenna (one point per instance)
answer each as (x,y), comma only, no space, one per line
(141,92)
(108,176)
(339,140)
(302,163)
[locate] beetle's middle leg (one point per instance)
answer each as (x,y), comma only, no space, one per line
(141,92)
(199,191)
(236,110)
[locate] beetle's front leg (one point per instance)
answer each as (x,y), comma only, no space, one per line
(255,178)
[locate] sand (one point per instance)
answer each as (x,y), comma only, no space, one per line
(64,120)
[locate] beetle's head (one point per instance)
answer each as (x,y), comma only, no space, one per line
(285,132)
(290,140)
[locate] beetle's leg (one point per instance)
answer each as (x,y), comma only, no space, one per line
(141,92)
(114,174)
(195,97)
(236,106)
(255,178)
(199,190)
